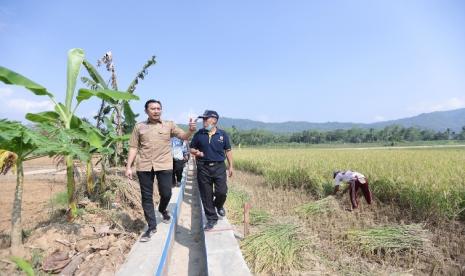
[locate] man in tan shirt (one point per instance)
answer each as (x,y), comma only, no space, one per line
(151,141)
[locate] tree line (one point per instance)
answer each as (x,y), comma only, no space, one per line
(389,134)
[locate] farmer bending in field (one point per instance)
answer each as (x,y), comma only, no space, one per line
(355,180)
(151,141)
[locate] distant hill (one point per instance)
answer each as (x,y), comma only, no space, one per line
(438,121)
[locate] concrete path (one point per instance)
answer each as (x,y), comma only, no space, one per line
(182,247)
(188,252)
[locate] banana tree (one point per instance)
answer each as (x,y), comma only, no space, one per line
(118,108)
(22,143)
(63,115)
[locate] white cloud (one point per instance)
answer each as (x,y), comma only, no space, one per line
(263,118)
(379,118)
(448,104)
(5,91)
(24,106)
(452,103)
(182,117)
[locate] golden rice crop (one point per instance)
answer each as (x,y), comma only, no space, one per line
(428,182)
(326,205)
(388,239)
(276,249)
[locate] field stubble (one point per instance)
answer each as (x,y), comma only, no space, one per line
(332,244)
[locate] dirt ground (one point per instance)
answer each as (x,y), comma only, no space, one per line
(38,190)
(326,253)
(97,242)
(94,244)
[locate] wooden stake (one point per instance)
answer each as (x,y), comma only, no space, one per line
(246,218)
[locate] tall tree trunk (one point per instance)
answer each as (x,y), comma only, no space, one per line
(103,174)
(17,248)
(70,187)
(89,177)
(119,132)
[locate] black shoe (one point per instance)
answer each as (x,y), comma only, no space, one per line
(166,216)
(210,224)
(221,212)
(148,235)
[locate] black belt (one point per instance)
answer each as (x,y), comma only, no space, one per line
(210,163)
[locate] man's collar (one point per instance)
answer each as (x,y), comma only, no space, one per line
(154,122)
(206,131)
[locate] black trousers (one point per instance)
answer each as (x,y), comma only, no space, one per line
(211,178)
(146,188)
(178,166)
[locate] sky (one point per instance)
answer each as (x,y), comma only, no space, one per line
(273,61)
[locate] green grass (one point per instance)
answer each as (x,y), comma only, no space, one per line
(388,239)
(24,265)
(258,216)
(275,250)
(235,205)
(60,200)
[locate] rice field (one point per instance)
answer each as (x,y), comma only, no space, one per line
(304,235)
(430,183)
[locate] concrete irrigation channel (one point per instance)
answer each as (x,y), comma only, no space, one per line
(182,247)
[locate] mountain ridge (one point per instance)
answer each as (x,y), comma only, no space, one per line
(437,121)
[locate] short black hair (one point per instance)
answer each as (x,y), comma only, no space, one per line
(335,173)
(152,101)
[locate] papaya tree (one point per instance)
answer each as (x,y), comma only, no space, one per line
(63,116)
(19,143)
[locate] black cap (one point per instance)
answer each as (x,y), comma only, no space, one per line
(209,114)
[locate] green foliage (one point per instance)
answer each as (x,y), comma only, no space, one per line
(389,136)
(59,199)
(10,77)
(258,216)
(70,130)
(80,212)
(24,265)
(235,204)
(75,58)
(114,111)
(17,138)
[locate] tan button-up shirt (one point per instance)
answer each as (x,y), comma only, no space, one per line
(153,141)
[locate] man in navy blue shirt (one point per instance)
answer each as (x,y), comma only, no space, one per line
(211,146)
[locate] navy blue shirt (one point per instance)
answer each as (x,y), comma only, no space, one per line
(213,148)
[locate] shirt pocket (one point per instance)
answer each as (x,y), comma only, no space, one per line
(164,134)
(145,136)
